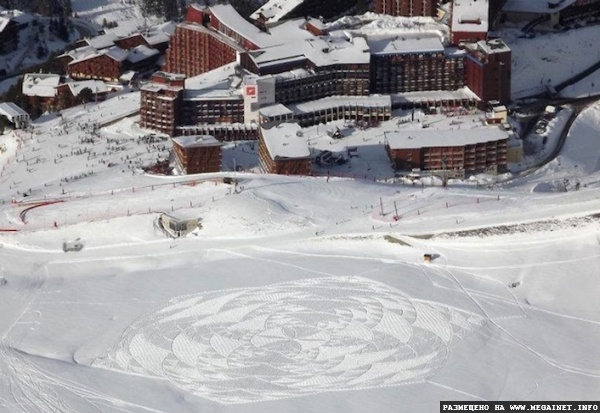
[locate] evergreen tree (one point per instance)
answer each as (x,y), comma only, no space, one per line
(86,95)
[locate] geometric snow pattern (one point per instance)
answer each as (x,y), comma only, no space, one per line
(292,339)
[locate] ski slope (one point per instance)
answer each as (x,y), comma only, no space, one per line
(298,293)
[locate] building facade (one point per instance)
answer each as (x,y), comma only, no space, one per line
(463,151)
(107,65)
(488,70)
(369,109)
(197,154)
(224,132)
(161,102)
(195,49)
(282,150)
(408,8)
(417,71)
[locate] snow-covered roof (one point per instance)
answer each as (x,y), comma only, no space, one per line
(196,141)
(219,35)
(140,53)
(285,141)
(170,76)
(435,95)
(114,52)
(96,86)
(40,84)
(470,15)
(404,44)
(284,33)
(127,76)
(536,6)
(321,51)
(117,53)
(336,50)
(213,94)
(282,54)
(157,38)
(275,110)
(103,41)
(317,23)
(213,77)
(493,46)
(167,28)
(80,53)
(337,101)
(10,110)
(274,10)
(228,16)
(157,87)
(429,138)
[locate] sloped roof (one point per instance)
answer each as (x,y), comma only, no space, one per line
(103,41)
(96,86)
(140,53)
(40,84)
(275,10)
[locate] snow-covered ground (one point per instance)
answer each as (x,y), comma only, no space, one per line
(291,296)
(125,13)
(549,58)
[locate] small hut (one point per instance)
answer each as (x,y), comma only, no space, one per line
(176,227)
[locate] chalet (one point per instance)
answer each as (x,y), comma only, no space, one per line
(131,41)
(283,150)
(107,64)
(69,93)
(197,154)
(142,58)
(40,88)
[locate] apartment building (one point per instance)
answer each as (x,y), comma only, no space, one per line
(197,154)
(488,70)
(414,63)
(195,49)
(283,150)
(161,101)
(464,151)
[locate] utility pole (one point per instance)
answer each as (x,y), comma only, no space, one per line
(234,177)
(444,172)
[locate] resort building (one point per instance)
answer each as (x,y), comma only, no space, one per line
(197,154)
(283,150)
(464,151)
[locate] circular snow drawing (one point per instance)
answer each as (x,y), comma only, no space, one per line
(292,339)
